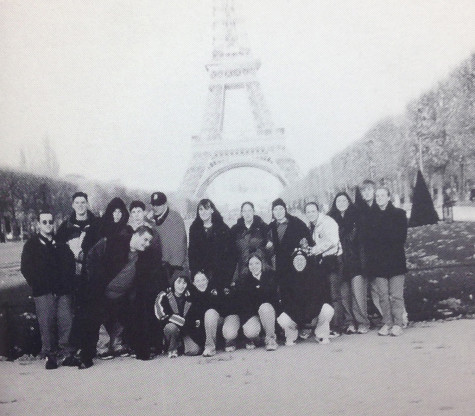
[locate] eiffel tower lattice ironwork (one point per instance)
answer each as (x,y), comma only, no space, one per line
(215,151)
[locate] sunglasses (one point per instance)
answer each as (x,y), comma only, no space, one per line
(50,222)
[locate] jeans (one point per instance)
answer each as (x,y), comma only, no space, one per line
(172,335)
(55,317)
(390,291)
(354,295)
(231,324)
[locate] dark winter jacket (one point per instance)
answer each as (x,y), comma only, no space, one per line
(347,229)
(386,235)
(365,215)
(295,232)
(109,256)
(246,241)
(252,293)
(48,266)
(72,229)
(212,253)
(108,226)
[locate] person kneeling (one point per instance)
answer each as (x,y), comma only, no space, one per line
(258,302)
(172,308)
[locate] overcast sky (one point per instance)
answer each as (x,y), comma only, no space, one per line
(120,86)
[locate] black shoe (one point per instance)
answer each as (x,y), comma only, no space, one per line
(123,352)
(71,361)
(51,363)
(143,357)
(85,363)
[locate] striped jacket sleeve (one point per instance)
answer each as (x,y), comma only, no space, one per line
(159,306)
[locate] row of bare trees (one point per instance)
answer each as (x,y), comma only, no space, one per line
(23,195)
(436,134)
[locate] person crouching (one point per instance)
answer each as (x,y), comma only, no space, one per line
(308,301)
(171,308)
(258,299)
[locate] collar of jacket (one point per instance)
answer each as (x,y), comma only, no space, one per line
(159,220)
(45,241)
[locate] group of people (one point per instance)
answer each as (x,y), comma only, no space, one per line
(133,282)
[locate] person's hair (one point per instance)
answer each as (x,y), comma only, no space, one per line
(207,204)
(247,203)
(368,182)
(136,204)
(141,230)
(199,272)
(260,256)
(311,203)
(334,210)
(79,194)
(44,211)
(385,188)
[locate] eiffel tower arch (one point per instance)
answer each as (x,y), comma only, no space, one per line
(261,146)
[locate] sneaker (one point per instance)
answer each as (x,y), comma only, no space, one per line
(334,334)
(362,330)
(323,341)
(384,331)
(172,354)
(105,355)
(209,352)
(85,363)
(71,361)
(290,343)
(230,348)
(271,344)
(51,363)
(305,333)
(123,352)
(250,345)
(396,330)
(350,330)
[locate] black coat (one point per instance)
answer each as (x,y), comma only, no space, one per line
(295,232)
(71,229)
(48,267)
(212,253)
(252,293)
(386,236)
(347,229)
(364,214)
(246,241)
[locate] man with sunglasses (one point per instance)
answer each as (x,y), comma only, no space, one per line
(48,267)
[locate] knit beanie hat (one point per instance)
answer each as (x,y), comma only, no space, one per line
(279,201)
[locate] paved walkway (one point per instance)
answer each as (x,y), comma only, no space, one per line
(429,371)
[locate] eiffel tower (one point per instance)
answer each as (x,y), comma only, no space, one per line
(214,150)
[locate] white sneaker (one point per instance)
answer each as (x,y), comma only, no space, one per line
(362,330)
(334,334)
(230,348)
(384,331)
(323,341)
(250,345)
(396,330)
(290,343)
(209,352)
